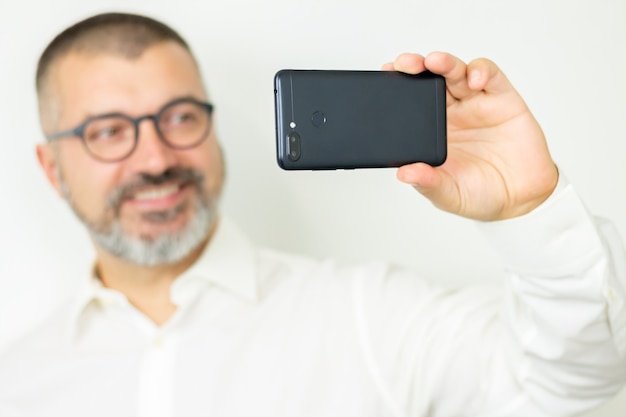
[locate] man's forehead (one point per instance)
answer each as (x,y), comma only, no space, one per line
(165,50)
(164,60)
(114,82)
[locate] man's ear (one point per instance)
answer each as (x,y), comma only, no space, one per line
(47,158)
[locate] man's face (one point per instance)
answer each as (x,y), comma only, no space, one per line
(158,204)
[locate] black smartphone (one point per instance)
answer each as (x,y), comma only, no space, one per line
(332,119)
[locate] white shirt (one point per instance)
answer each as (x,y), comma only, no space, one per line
(261,333)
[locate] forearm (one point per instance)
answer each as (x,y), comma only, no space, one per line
(566,311)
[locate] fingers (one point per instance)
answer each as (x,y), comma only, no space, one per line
(453,69)
(462,80)
(485,75)
(409,63)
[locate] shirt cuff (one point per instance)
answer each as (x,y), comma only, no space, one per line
(559,239)
(556,238)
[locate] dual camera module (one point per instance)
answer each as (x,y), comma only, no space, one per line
(294,149)
(294,146)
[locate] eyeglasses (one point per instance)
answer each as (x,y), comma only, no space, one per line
(180,124)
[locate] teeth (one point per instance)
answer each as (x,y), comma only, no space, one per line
(155,193)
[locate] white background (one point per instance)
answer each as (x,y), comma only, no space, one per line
(567,59)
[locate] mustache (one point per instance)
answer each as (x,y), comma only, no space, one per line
(176,175)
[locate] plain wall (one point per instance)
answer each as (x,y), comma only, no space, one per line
(567,59)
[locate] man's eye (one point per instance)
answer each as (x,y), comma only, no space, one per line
(105,133)
(108,132)
(181,118)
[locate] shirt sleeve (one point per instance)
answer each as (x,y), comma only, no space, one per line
(565,311)
(552,346)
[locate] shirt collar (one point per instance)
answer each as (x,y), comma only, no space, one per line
(91,295)
(229,262)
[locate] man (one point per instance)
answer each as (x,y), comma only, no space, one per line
(184,317)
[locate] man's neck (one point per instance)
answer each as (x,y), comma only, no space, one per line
(147,288)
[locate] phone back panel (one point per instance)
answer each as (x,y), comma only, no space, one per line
(359,119)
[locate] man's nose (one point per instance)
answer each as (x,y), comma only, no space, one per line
(151,155)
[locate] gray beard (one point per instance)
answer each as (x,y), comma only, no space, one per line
(166,248)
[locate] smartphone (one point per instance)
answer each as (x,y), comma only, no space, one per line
(332,119)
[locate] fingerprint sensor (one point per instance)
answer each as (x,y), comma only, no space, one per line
(318,119)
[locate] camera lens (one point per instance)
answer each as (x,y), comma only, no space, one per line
(293,146)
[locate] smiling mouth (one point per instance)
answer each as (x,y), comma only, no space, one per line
(156,193)
(163,216)
(159,204)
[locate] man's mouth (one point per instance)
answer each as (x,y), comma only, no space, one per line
(158,204)
(156,193)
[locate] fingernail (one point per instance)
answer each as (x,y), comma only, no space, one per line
(474,77)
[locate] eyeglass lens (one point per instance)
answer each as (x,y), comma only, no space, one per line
(181,125)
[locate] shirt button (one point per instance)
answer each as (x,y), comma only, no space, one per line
(106,302)
(611,294)
(158,342)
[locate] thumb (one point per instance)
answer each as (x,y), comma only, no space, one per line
(420,175)
(431,183)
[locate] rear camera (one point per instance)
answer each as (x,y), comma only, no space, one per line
(293,146)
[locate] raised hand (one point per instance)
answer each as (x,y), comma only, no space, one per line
(498,164)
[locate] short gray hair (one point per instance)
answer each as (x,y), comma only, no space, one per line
(123,34)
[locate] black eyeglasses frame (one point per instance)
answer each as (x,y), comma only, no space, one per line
(79,131)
